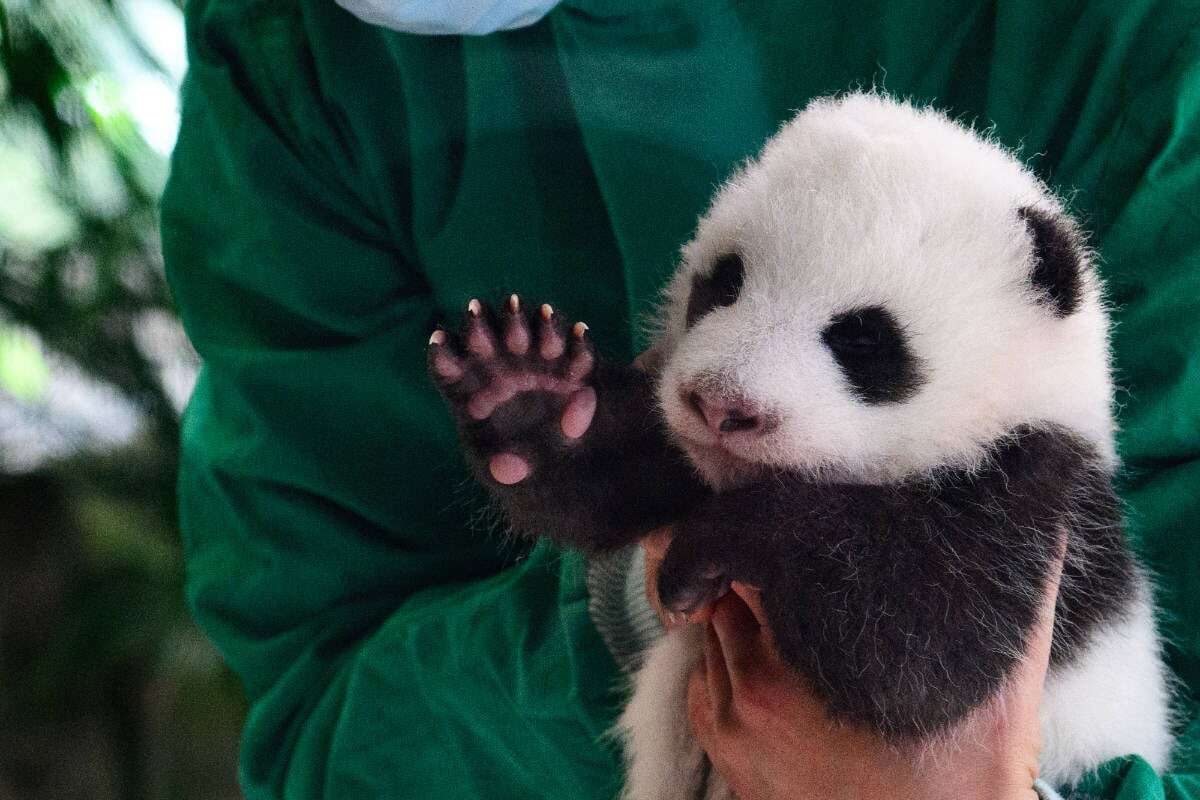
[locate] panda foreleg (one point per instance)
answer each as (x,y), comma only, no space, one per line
(571,446)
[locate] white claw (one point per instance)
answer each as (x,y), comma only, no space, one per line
(547,311)
(579,329)
(514,303)
(437,337)
(475,307)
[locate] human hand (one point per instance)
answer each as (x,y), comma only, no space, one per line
(770,737)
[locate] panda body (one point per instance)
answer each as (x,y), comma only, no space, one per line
(863,202)
(885,398)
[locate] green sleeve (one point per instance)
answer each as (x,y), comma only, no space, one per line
(386,648)
(1147,227)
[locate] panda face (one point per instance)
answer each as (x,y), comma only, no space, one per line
(880,293)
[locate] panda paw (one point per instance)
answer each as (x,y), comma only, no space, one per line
(728,537)
(697,569)
(519,383)
(686,591)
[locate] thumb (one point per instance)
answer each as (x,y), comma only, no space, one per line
(1037,654)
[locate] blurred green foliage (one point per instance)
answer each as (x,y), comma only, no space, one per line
(108,690)
(22,369)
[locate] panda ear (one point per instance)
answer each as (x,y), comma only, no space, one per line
(1057,260)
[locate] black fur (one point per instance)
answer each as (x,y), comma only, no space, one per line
(869,347)
(904,605)
(721,287)
(1057,271)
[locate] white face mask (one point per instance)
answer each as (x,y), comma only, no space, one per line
(431,17)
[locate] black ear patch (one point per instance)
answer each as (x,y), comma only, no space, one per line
(1057,270)
(720,287)
(869,346)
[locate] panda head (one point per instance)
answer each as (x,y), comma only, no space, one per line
(881,292)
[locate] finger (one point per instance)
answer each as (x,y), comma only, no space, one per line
(737,633)
(654,549)
(1037,656)
(1014,717)
(551,342)
(582,359)
(481,341)
(752,597)
(656,543)
(516,329)
(442,358)
(718,680)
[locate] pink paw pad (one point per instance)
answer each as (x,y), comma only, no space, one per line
(499,357)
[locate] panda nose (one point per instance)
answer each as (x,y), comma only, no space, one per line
(723,415)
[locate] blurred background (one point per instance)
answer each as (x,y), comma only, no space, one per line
(107,690)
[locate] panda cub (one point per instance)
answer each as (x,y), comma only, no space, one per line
(884,397)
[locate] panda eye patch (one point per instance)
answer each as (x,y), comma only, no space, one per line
(871,350)
(720,287)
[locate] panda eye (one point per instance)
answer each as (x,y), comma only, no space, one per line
(872,352)
(854,336)
(719,288)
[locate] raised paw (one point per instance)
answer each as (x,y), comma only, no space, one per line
(519,382)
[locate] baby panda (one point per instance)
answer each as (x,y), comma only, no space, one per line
(885,399)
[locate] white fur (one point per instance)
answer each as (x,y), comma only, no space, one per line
(858,201)
(665,762)
(1112,701)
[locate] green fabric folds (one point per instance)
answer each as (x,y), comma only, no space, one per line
(338,188)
